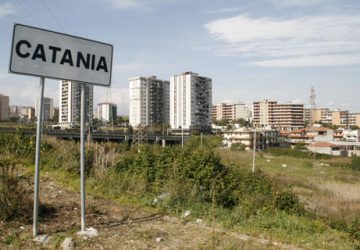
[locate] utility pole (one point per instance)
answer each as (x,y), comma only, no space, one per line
(254,150)
(312,106)
(312,111)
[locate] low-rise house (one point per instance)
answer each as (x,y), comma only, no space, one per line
(264,138)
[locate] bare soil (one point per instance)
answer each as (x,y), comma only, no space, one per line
(120,227)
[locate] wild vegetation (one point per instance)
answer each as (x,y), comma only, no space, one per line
(213,183)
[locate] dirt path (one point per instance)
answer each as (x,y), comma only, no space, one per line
(120,227)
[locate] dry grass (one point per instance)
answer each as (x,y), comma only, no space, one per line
(336,200)
(326,187)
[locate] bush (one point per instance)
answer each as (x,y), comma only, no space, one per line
(238,147)
(294,153)
(355,163)
(15,201)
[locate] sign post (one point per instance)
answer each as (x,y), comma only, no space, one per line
(37,155)
(82,156)
(50,54)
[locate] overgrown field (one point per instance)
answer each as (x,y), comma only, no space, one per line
(288,204)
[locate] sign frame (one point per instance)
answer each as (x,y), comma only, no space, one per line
(11,70)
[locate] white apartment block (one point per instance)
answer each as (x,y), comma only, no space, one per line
(48,108)
(24,112)
(69,102)
(242,111)
(106,112)
(149,101)
(4,108)
(190,101)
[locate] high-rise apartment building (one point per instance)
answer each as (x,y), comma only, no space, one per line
(190,101)
(70,100)
(263,113)
(4,108)
(340,118)
(223,111)
(106,112)
(281,116)
(288,116)
(323,115)
(149,101)
(231,111)
(48,108)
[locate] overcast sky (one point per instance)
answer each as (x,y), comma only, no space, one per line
(252,49)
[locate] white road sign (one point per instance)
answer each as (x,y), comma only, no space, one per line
(50,54)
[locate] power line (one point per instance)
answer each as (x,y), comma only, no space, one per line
(52,13)
(63,16)
(21,5)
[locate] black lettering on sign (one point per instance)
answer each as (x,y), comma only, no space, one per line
(102,64)
(80,58)
(67,58)
(39,53)
(18,51)
(92,61)
(54,51)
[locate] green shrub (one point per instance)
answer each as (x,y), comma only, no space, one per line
(355,163)
(15,201)
(238,147)
(294,153)
(288,202)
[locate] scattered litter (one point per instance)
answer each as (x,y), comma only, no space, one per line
(199,221)
(186,214)
(284,165)
(159,239)
(268,160)
(22,227)
(161,197)
(155,201)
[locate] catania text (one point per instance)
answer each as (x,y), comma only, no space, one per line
(89,61)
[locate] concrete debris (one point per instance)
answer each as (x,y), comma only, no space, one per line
(88,233)
(42,239)
(68,244)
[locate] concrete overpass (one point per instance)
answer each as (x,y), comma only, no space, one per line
(119,137)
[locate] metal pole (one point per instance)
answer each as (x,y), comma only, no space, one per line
(254,150)
(82,156)
(37,157)
(182,137)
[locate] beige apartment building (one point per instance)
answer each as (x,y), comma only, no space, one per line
(288,116)
(280,116)
(231,111)
(263,113)
(337,117)
(223,111)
